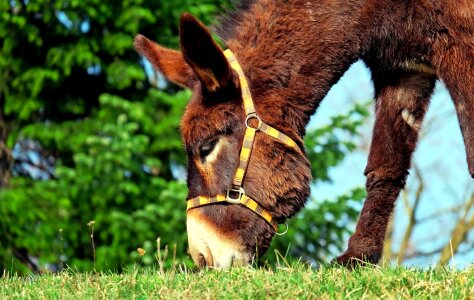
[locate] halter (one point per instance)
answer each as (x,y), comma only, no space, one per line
(236,194)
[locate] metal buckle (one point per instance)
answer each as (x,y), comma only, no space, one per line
(250,117)
(285,231)
(240,191)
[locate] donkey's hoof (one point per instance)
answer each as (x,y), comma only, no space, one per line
(352,260)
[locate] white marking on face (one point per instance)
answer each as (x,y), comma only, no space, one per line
(211,157)
(218,250)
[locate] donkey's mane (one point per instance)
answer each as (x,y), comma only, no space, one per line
(274,51)
(232,18)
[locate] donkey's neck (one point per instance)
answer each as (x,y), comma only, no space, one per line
(292,53)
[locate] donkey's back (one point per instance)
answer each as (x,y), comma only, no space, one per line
(408,34)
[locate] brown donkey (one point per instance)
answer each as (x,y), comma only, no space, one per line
(291,53)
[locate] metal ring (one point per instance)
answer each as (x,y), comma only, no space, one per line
(240,191)
(283,233)
(250,117)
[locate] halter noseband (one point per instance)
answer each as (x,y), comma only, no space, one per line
(236,194)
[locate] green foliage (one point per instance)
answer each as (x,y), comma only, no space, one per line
(70,79)
(328,145)
(119,177)
(57,57)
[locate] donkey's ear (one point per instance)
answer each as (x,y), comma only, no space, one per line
(169,62)
(204,55)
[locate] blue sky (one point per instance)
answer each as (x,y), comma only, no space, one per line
(440,156)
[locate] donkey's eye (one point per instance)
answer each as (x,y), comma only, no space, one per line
(207,148)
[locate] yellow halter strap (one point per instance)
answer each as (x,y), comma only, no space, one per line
(236,194)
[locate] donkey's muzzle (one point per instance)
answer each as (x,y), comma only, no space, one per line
(210,248)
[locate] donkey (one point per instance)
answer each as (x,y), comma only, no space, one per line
(283,57)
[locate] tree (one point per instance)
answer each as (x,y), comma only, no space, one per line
(94,161)
(71,80)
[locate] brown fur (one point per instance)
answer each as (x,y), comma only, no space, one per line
(292,53)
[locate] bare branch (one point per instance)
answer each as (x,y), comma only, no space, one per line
(388,254)
(423,253)
(458,234)
(437,251)
(411,215)
(450,210)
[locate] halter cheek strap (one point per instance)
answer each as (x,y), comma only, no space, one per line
(236,194)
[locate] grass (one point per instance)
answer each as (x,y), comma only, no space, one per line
(298,281)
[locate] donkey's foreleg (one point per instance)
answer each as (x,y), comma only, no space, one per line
(401,104)
(456,68)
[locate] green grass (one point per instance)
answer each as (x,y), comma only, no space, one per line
(298,281)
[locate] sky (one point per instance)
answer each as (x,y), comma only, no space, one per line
(440,156)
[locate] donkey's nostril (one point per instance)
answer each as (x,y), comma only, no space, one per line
(205,260)
(201,261)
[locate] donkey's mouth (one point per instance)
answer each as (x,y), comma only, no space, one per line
(210,248)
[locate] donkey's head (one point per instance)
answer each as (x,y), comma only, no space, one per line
(274,180)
